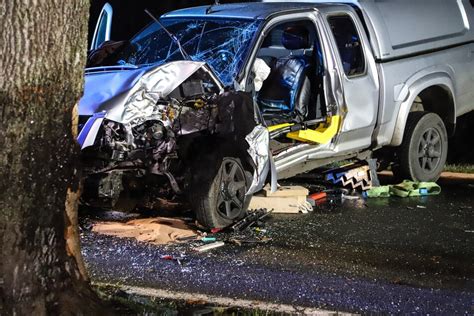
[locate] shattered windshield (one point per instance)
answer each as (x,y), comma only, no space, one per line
(223,44)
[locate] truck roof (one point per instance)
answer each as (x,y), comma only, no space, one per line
(397,28)
(247,10)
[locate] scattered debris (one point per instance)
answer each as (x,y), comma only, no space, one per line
(410,188)
(251,219)
(207,247)
(304,207)
(350,197)
(318,196)
(178,260)
(420,206)
(157,230)
(404,189)
(167,257)
(383,191)
(279,204)
(358,175)
(311,202)
(287,199)
(286,191)
(188,238)
(208,239)
(241,241)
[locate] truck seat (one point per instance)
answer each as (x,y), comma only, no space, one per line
(286,93)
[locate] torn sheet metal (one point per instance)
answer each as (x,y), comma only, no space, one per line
(88,133)
(150,88)
(144,101)
(259,151)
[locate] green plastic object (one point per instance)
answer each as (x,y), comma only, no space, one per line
(405,189)
(382,191)
(410,188)
(208,239)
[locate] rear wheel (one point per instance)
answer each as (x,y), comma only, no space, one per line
(424,149)
(222,198)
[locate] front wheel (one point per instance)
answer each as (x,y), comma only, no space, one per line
(222,198)
(424,149)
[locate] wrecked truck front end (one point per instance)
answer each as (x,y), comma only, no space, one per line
(167,130)
(136,131)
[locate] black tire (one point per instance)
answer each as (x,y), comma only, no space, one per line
(423,152)
(220,200)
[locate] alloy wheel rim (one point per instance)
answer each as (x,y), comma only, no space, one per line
(429,150)
(232,189)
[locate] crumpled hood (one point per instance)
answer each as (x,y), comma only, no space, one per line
(109,91)
(101,87)
(130,97)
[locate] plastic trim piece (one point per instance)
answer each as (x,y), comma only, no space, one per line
(322,135)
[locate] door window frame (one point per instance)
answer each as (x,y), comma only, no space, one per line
(107,11)
(334,42)
(267,28)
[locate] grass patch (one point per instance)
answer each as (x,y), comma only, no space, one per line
(122,303)
(460,168)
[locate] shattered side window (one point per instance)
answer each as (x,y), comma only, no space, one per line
(222,44)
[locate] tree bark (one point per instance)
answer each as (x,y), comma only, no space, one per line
(42,56)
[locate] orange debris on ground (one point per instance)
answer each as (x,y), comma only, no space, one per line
(158,230)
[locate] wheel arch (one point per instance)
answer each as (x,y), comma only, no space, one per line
(436,93)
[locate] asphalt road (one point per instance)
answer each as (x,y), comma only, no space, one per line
(389,255)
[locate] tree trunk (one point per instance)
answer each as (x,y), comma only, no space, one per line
(42,56)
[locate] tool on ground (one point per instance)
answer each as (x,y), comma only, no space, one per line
(318,196)
(251,219)
(241,241)
(208,239)
(207,247)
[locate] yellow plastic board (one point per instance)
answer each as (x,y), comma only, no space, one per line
(322,135)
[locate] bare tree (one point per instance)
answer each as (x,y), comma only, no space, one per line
(42,56)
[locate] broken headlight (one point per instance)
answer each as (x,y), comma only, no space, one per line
(117,138)
(150,134)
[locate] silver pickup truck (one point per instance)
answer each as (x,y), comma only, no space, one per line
(208,104)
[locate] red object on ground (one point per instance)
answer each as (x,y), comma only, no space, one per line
(167,257)
(215,230)
(318,196)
